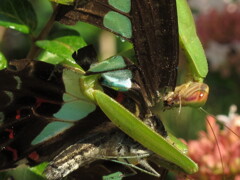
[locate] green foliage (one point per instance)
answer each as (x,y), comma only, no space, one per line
(65,2)
(39,169)
(114,176)
(3,61)
(61,45)
(18,15)
(21,173)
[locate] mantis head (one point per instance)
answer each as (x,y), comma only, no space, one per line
(192,94)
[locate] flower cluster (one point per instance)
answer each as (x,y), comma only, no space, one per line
(220,26)
(219,31)
(205,151)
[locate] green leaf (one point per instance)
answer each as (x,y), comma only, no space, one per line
(114,176)
(18,15)
(3,61)
(39,169)
(65,2)
(135,128)
(63,44)
(20,173)
(190,42)
(51,58)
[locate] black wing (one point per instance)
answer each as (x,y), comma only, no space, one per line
(154,35)
(31,92)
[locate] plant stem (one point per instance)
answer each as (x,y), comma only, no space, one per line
(34,50)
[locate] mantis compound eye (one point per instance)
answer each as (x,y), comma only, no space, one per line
(197,99)
(196,95)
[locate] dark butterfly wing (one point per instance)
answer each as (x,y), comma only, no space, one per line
(152,27)
(85,56)
(155,38)
(31,94)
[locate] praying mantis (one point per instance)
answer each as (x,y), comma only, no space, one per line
(196,96)
(134,127)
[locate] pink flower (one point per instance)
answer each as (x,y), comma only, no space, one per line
(220,26)
(204,151)
(219,32)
